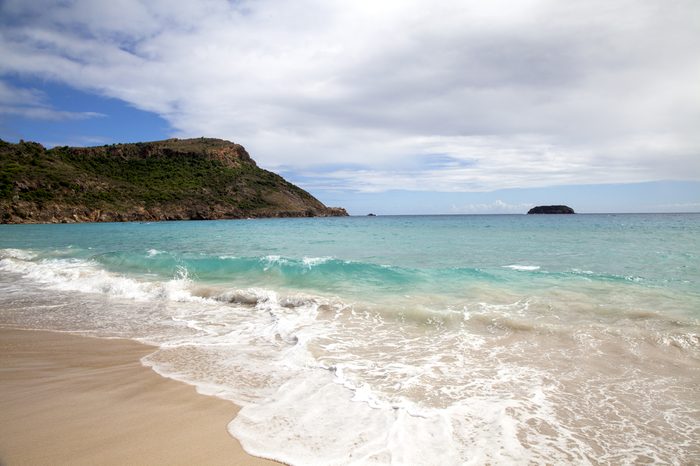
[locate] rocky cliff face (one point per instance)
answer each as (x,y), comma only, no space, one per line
(184,179)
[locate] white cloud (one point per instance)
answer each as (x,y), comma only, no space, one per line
(496,207)
(45,113)
(678,207)
(31,103)
(529,93)
(11,95)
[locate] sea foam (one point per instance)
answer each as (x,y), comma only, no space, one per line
(527,268)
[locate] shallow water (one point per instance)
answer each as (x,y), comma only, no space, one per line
(398,340)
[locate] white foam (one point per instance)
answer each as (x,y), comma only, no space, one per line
(273,259)
(21,254)
(154,252)
(86,276)
(313,261)
(313,421)
(249,296)
(525,268)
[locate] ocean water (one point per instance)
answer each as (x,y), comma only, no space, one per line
(416,340)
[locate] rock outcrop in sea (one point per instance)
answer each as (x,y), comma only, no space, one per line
(175,179)
(551,209)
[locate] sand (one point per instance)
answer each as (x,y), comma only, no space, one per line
(67,399)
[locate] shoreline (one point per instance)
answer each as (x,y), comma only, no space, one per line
(70,399)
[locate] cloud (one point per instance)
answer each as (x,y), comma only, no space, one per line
(31,104)
(44,113)
(496,207)
(679,207)
(507,94)
(11,95)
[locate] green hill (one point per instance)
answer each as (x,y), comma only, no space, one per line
(175,179)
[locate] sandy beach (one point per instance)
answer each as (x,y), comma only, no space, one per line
(67,399)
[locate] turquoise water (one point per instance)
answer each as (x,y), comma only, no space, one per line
(398,340)
(437,253)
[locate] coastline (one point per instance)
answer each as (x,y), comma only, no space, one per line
(68,399)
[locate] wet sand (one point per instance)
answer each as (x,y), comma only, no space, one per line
(66,399)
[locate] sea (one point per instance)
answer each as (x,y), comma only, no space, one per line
(403,340)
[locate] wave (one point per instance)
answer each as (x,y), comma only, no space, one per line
(588,275)
(21,254)
(332,275)
(526,268)
(87,276)
(324,274)
(490,312)
(414,294)
(606,276)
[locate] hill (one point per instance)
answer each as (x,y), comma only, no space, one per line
(175,179)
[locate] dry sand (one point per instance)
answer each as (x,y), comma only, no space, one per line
(66,399)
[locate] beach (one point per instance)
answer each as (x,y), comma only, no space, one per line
(66,399)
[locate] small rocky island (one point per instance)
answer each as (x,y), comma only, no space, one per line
(551,209)
(175,179)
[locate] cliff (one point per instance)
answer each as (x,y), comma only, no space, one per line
(175,179)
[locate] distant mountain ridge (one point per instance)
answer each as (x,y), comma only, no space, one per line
(174,179)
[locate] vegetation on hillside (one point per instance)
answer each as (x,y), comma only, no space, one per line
(163,180)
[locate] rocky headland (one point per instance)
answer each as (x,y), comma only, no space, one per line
(175,179)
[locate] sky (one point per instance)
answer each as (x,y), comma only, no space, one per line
(391,107)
